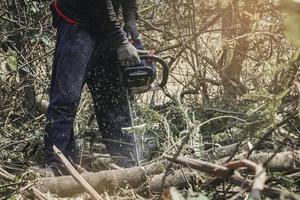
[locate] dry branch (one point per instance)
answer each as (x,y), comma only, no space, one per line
(223,172)
(259,182)
(38,195)
(282,161)
(6,175)
(76,175)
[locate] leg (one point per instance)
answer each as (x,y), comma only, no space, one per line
(74,48)
(111,107)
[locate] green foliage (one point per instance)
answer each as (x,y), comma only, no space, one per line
(27,35)
(220,137)
(149,114)
(12,62)
(292,9)
(266,103)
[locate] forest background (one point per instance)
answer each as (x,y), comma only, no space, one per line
(234,80)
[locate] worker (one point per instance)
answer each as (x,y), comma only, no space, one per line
(90,46)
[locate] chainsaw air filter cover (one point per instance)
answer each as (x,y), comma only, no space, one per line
(139,78)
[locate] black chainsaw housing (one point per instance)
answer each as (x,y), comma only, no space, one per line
(138,76)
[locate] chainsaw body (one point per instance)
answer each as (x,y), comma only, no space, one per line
(140,78)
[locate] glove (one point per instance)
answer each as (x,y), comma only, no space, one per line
(127,54)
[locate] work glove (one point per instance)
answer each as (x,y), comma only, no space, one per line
(127,54)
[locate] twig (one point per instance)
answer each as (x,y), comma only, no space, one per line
(259,182)
(297,85)
(76,175)
(203,166)
(269,132)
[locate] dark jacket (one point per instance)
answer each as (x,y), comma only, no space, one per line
(98,16)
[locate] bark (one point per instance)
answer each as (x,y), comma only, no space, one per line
(28,101)
(76,175)
(180,179)
(224,151)
(234,51)
(109,181)
(285,78)
(283,161)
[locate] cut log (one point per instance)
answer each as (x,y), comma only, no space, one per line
(180,179)
(283,161)
(110,180)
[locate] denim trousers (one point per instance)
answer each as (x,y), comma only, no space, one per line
(80,58)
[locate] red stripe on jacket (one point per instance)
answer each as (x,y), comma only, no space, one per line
(66,18)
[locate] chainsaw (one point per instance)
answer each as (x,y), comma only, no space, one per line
(141,79)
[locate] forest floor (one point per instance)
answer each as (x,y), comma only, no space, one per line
(181,167)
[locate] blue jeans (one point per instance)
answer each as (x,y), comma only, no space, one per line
(83,58)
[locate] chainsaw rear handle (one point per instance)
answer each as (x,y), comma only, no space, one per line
(144,54)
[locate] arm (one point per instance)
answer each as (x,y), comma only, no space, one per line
(130,16)
(126,53)
(112,26)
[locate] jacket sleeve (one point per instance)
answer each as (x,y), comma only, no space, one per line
(112,26)
(130,9)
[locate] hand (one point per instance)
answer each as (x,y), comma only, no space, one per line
(127,54)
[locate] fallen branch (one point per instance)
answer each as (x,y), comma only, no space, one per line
(259,182)
(38,195)
(223,172)
(270,131)
(110,180)
(283,161)
(6,175)
(76,175)
(260,175)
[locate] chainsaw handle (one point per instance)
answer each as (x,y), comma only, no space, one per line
(156,59)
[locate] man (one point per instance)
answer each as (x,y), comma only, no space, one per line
(90,46)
